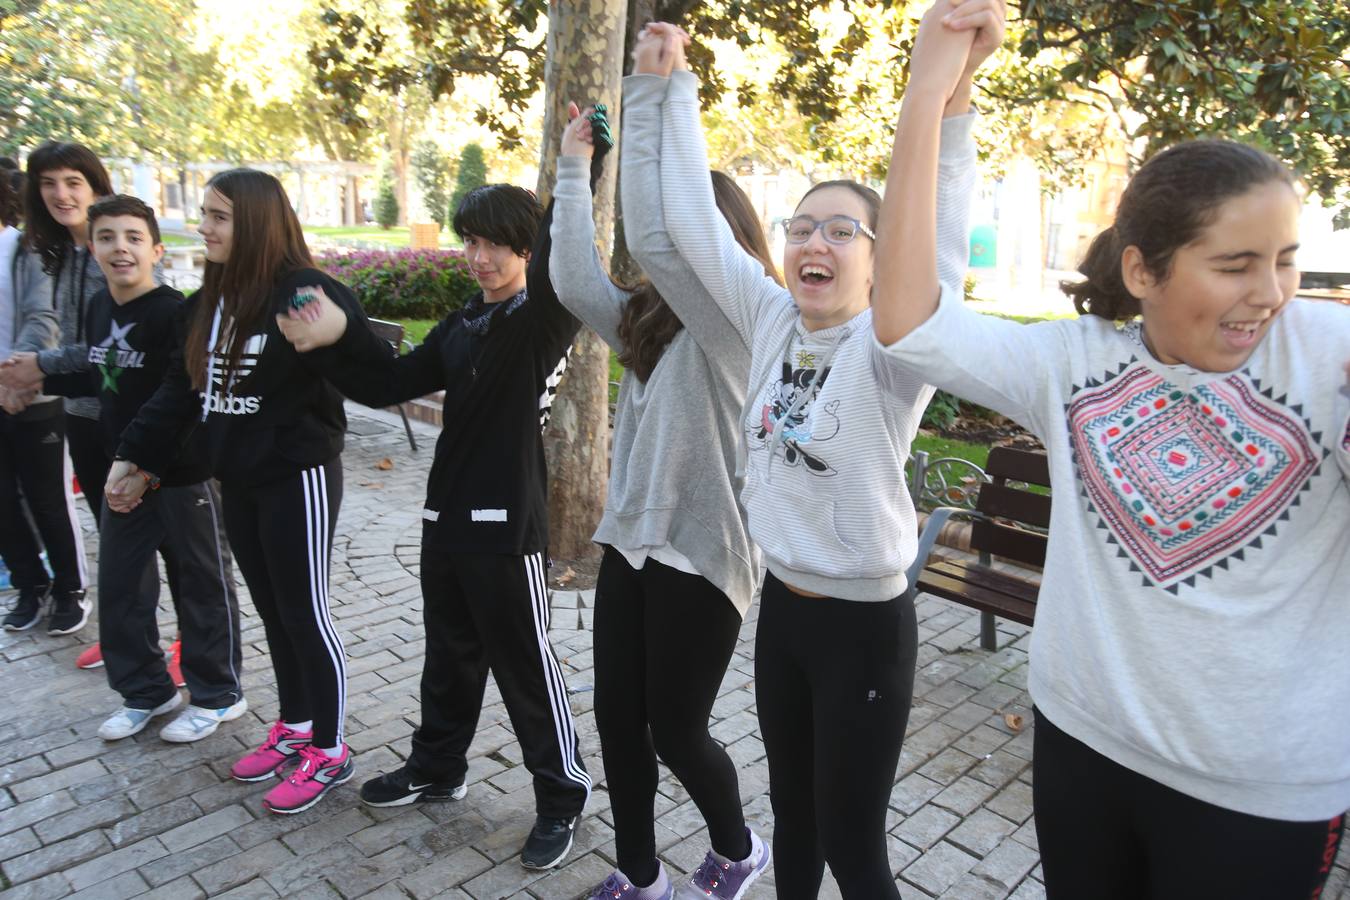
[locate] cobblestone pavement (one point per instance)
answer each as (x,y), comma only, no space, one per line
(140,817)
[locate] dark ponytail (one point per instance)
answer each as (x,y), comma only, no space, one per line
(1103,292)
(1167,204)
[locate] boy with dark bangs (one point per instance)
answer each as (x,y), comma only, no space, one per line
(485,525)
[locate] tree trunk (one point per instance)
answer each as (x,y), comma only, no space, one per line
(585,64)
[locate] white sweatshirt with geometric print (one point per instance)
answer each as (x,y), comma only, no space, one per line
(1194,619)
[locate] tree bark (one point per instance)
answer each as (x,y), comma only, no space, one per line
(585,64)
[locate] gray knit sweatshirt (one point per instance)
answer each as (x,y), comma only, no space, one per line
(78,279)
(824,490)
(674,452)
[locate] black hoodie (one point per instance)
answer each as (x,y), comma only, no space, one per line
(499,365)
(129,346)
(273,418)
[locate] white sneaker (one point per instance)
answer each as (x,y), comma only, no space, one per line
(195,723)
(127,721)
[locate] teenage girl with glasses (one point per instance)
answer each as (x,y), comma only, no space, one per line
(828,422)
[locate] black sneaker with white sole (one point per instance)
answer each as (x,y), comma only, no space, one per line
(549,842)
(27,608)
(70,610)
(399,788)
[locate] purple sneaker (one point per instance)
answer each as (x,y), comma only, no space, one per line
(618,887)
(724,879)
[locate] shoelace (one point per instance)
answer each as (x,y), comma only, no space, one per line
(709,875)
(274,736)
(612,887)
(311,760)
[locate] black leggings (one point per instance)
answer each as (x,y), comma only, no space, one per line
(663,639)
(833,684)
(1108,832)
(282,535)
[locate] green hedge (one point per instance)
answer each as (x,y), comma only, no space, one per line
(404,284)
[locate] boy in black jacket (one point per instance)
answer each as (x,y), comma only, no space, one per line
(131,331)
(485,525)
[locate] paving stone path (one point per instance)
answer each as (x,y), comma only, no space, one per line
(82,818)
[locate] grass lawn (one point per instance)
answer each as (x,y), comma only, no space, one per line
(416,330)
(374,234)
(180,240)
(937,448)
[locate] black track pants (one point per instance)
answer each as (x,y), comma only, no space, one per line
(833,684)
(1108,832)
(486,612)
(33,462)
(188,521)
(282,534)
(663,639)
(85,437)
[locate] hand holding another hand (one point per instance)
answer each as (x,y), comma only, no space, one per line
(20,371)
(313,321)
(125,487)
(660,49)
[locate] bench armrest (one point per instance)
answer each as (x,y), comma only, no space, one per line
(937,519)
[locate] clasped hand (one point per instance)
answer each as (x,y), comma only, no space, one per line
(125,487)
(315,322)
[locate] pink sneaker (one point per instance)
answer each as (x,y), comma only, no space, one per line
(282,744)
(317,774)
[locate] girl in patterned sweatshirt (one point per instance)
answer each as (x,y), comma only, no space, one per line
(1187,665)
(828,422)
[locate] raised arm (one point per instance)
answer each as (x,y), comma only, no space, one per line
(734,278)
(574,267)
(911,265)
(645,225)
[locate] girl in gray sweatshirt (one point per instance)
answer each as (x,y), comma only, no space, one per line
(679,570)
(826,431)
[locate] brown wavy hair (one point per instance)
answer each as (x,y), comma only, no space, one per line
(266,244)
(648,325)
(1168,202)
(42,233)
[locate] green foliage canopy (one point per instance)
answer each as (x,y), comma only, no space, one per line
(472,173)
(1085,74)
(432,169)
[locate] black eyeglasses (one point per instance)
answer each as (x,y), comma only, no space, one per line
(835,229)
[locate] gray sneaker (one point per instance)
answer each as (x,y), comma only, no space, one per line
(725,879)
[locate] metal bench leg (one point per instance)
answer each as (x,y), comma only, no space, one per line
(988,637)
(407,428)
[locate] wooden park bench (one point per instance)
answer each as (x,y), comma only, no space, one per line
(1009,522)
(392,332)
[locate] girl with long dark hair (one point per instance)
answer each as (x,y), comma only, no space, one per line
(273,432)
(32,453)
(679,570)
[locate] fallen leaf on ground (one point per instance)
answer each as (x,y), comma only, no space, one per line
(385,464)
(1013,721)
(565,575)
